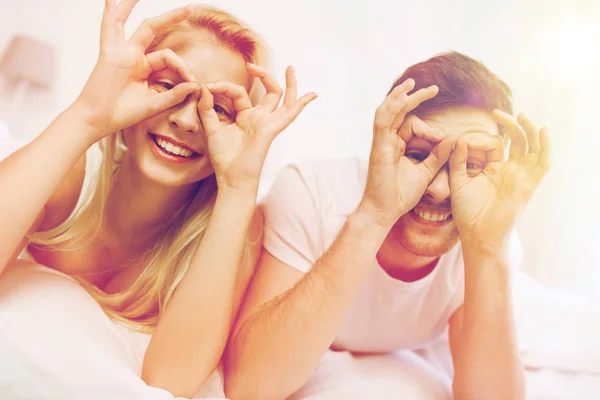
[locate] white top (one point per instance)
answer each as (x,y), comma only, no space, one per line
(304,211)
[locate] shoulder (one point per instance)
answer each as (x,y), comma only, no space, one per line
(322,180)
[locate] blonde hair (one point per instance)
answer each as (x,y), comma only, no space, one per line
(169,258)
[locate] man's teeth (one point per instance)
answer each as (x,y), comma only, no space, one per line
(173,148)
(433,217)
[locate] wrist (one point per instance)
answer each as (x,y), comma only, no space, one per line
(484,248)
(95,127)
(68,129)
(372,215)
(245,196)
(363,224)
(485,255)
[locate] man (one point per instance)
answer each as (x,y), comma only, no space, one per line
(380,257)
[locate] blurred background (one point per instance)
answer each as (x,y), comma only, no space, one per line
(350,52)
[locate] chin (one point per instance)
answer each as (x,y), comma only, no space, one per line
(425,241)
(158,174)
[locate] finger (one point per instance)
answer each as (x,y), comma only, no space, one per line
(107,28)
(274,92)
(518,137)
(420,96)
(405,87)
(170,98)
(391,106)
(533,137)
(458,158)
(412,102)
(236,93)
(124,10)
(482,141)
(414,126)
(167,58)
(545,150)
(496,154)
(147,31)
(438,156)
(291,87)
(491,145)
(289,114)
(208,116)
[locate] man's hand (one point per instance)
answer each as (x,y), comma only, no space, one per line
(488,192)
(396,182)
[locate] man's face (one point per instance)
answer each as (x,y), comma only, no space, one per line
(428,229)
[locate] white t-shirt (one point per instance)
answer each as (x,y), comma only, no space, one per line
(305,210)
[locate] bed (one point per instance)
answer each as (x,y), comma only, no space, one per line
(56,343)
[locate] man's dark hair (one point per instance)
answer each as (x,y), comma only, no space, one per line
(462,81)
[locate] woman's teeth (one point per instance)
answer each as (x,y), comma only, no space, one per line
(172,148)
(430,216)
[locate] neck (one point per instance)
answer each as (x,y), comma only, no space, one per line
(138,209)
(403,265)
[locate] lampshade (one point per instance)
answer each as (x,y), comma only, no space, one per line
(27,59)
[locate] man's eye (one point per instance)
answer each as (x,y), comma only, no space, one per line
(416,157)
(165,85)
(474,167)
(220,110)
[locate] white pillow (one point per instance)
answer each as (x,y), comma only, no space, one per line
(57,343)
(556,330)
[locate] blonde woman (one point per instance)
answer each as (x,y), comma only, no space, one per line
(167,238)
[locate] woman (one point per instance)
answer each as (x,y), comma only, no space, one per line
(166,239)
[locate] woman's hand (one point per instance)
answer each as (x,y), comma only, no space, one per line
(238,149)
(117,95)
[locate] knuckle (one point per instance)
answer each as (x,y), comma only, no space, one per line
(380,123)
(149,24)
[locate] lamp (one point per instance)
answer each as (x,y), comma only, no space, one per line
(27,63)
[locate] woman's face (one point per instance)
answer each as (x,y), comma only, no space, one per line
(170,148)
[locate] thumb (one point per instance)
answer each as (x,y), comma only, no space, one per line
(458,159)
(439,155)
(162,101)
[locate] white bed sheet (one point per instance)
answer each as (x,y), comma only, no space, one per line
(57,343)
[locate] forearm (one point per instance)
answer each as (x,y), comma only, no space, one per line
(487,363)
(191,334)
(29,176)
(288,336)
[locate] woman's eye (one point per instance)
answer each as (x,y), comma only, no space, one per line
(416,157)
(220,110)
